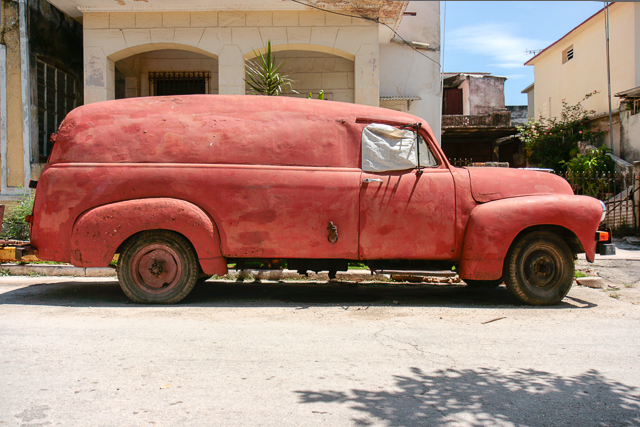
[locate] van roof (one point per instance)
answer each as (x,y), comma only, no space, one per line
(242,129)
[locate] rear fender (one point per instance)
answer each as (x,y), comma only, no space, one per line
(98,232)
(494,226)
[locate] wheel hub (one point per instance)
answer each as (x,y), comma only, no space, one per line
(157,268)
(540,269)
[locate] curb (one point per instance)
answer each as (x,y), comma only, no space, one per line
(56,270)
(69,270)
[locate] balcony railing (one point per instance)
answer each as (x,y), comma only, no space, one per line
(497,119)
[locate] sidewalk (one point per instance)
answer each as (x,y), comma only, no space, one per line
(69,270)
(624,251)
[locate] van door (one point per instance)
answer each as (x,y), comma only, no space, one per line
(286,212)
(404,214)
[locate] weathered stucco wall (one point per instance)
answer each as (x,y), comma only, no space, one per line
(10,36)
(486,94)
(629,136)
(405,72)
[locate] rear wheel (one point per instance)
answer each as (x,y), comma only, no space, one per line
(539,268)
(158,267)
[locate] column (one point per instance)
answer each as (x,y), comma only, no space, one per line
(367,75)
(98,70)
(231,71)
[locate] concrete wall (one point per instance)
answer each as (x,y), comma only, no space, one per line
(519,114)
(484,94)
(405,72)
(231,37)
(555,80)
(531,104)
(315,71)
(629,136)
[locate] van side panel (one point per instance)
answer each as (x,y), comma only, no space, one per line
(259,211)
(98,232)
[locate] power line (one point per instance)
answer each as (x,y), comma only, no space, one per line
(376,20)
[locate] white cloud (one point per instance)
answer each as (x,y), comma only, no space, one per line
(494,41)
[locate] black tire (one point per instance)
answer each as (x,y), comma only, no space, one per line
(483,284)
(539,268)
(157,267)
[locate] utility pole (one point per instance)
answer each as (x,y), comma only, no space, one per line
(606,27)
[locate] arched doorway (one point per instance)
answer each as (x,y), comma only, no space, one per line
(166,72)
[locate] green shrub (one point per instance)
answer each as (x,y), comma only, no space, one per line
(593,162)
(15,225)
(591,174)
(552,143)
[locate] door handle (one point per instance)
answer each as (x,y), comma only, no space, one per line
(368,180)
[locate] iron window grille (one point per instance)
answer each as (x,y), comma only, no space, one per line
(56,97)
(179,82)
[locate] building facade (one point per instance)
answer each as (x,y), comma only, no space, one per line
(353,52)
(40,82)
(476,124)
(576,65)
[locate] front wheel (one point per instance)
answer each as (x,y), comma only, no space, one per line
(539,268)
(157,267)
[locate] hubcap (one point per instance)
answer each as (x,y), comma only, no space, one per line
(156,267)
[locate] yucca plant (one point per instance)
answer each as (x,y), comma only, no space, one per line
(264,77)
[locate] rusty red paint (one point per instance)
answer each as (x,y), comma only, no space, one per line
(494,226)
(262,177)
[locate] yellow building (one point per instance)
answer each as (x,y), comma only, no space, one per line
(576,65)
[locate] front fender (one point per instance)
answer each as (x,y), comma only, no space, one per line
(493,227)
(98,232)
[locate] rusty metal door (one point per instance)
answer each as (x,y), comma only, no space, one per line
(406,215)
(452,102)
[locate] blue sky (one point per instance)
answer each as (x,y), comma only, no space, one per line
(492,36)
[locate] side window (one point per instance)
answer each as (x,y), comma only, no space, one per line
(388,148)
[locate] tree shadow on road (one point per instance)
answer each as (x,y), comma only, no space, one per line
(281,294)
(489,397)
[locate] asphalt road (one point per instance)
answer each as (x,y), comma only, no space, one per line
(75,352)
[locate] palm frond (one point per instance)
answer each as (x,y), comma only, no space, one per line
(264,77)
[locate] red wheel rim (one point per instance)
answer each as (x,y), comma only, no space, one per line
(156,268)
